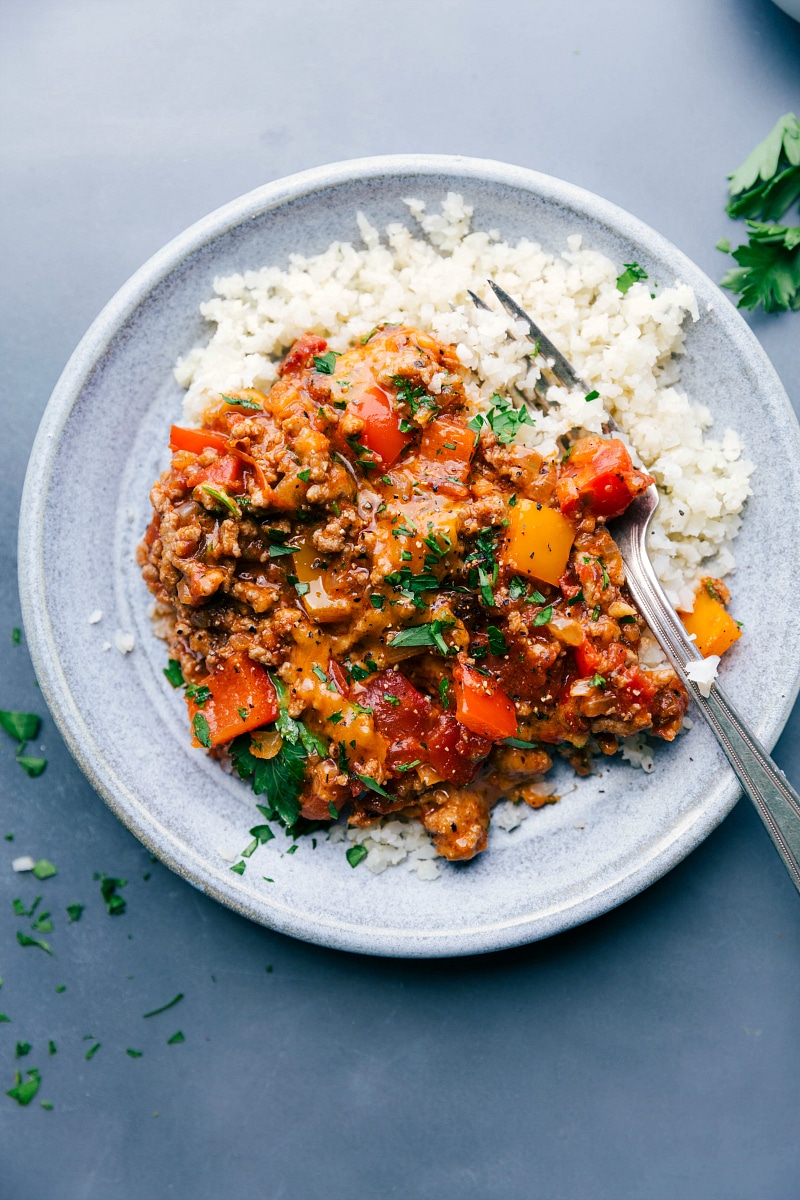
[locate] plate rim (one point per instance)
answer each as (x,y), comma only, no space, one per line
(177,855)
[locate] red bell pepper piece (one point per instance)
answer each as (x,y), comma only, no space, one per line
(196,440)
(397,707)
(381,434)
(225,472)
(598,478)
(454,751)
(242,699)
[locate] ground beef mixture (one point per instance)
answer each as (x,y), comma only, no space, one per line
(379,603)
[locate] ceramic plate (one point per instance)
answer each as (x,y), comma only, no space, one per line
(101,444)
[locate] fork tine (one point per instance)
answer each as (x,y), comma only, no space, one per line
(562,368)
(476,300)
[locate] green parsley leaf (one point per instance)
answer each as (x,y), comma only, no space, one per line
(16,636)
(444,688)
(518,743)
(115,905)
(174,673)
(31,766)
(4,1017)
(512,503)
(768,181)
(516,587)
(429,634)
(631,275)
(597,681)
(238,868)
(222,498)
(23,1093)
(262,834)
(280,551)
(24,940)
(200,693)
(409,766)
(336,717)
(164,1007)
(333,810)
(90,1053)
(52,1048)
(362,709)
(176,1039)
(134,1053)
(373,785)
(250,849)
(769,268)
(21,1049)
(376,600)
(724,245)
(302,589)
(202,730)
(238,402)
(544,616)
(23,727)
(42,924)
(505,420)
(593,395)
(326,363)
(44,869)
(476,423)
(497,641)
(320,674)
(304,475)
(61,987)
(356,854)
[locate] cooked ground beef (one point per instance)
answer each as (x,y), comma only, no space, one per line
(421,604)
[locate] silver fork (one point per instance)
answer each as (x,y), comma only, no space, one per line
(776,801)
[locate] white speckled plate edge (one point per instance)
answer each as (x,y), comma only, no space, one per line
(458,927)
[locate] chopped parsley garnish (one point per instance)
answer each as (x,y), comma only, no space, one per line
(304,475)
(632,274)
(444,688)
(415,397)
(544,616)
(115,905)
(134,1053)
(176,1039)
(16,636)
(512,503)
(320,674)
(302,589)
(504,420)
(606,580)
(576,599)
(23,727)
(21,1049)
(598,681)
(497,641)
(90,1053)
(171,1004)
(437,550)
(595,612)
(519,743)
(238,868)
(238,402)
(409,766)
(594,394)
(25,940)
(222,498)
(627,620)
(244,713)
(362,709)
(373,785)
(516,587)
(423,635)
(74,912)
(376,600)
(326,363)
(336,717)
(200,694)
(277,551)
(52,1048)
(174,673)
(44,869)
(202,730)
(411,585)
(356,854)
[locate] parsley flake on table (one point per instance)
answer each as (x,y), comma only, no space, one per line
(16,636)
(90,1053)
(23,727)
(176,1039)
(31,766)
(23,1093)
(44,869)
(115,905)
(21,1049)
(25,940)
(164,1007)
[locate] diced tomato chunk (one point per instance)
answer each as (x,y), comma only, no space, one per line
(302,353)
(455,751)
(482,705)
(196,440)
(397,707)
(242,699)
(225,472)
(381,434)
(599,479)
(594,659)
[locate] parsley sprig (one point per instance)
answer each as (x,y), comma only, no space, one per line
(766,185)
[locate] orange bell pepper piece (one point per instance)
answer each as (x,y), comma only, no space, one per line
(242,699)
(714,628)
(444,456)
(482,706)
(539,541)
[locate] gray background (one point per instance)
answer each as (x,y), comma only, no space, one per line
(653,1053)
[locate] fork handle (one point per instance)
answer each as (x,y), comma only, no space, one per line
(776,801)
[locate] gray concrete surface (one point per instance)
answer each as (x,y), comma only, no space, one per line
(649,1055)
